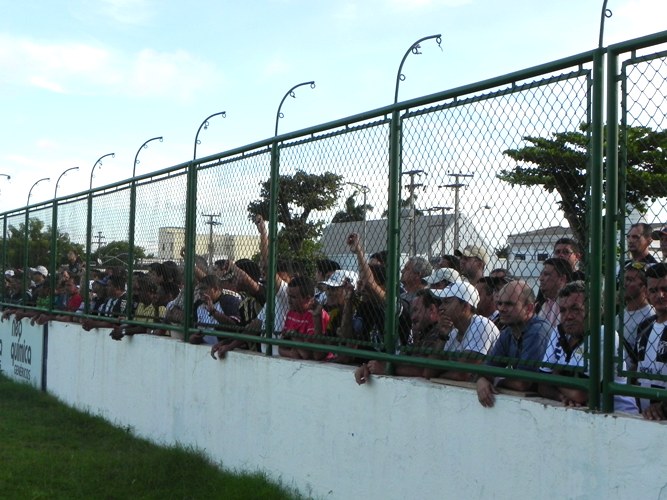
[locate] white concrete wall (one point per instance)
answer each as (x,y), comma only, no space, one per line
(311,426)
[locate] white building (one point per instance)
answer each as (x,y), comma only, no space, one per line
(218,246)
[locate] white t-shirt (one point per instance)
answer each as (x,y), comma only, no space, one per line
(556,355)
(655,361)
(479,337)
(281,308)
(631,320)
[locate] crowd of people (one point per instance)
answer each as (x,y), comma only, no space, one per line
(447,309)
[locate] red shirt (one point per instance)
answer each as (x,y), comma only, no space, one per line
(302,322)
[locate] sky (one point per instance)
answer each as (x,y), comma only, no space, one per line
(83,78)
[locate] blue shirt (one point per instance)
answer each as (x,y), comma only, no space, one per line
(530,346)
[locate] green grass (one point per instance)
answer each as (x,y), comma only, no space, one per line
(48,450)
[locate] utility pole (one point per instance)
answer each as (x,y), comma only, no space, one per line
(411,187)
(100,239)
(211,223)
(441,224)
(456,186)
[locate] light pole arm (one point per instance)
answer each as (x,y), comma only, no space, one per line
(55,193)
(30,192)
(204,124)
(99,161)
(290,92)
(136,157)
(414,49)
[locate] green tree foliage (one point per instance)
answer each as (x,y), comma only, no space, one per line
(559,163)
(39,245)
(116,253)
(405,207)
(352,212)
(299,195)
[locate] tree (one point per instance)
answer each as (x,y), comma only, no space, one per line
(352,212)
(502,252)
(116,253)
(559,163)
(39,245)
(299,195)
(405,206)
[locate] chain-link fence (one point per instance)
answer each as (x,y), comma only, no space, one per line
(480,186)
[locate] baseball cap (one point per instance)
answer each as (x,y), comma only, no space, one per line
(339,277)
(41,270)
(9,273)
(475,251)
(443,274)
(659,232)
(461,290)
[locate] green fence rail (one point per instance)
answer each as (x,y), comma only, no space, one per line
(509,164)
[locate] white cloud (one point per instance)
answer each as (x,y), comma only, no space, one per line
(276,66)
(635,18)
(75,68)
(419,4)
(127,11)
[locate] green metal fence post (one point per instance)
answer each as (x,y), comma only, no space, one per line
(611,198)
(53,258)
(190,243)
(393,235)
(269,324)
(595,264)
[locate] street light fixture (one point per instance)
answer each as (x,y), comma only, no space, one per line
(136,157)
(414,49)
(99,162)
(204,125)
(290,93)
(30,192)
(55,193)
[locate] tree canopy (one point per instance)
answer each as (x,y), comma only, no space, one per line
(299,195)
(352,212)
(116,253)
(559,163)
(39,245)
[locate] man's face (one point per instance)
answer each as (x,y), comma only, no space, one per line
(37,277)
(335,296)
(470,265)
(408,274)
(573,313)
(633,285)
(657,294)
(565,251)
(637,242)
(550,281)
(212,292)
(71,287)
(451,307)
(296,301)
(486,300)
(499,273)
(512,308)
(422,317)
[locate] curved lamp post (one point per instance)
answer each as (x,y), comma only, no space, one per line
(414,49)
(5,175)
(55,193)
(136,157)
(606,13)
(290,93)
(30,192)
(99,162)
(204,125)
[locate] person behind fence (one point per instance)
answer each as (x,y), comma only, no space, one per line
(473,260)
(488,288)
(426,341)
(467,336)
(115,306)
(38,276)
(639,240)
(324,268)
(651,345)
(372,303)
(637,309)
(522,341)
(568,347)
(335,287)
(216,307)
(413,276)
(556,272)
(661,236)
(303,312)
(449,261)
(569,249)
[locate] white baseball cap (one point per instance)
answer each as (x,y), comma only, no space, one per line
(462,290)
(443,274)
(339,277)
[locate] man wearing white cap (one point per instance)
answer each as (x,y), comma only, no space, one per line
(473,261)
(471,335)
(337,288)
